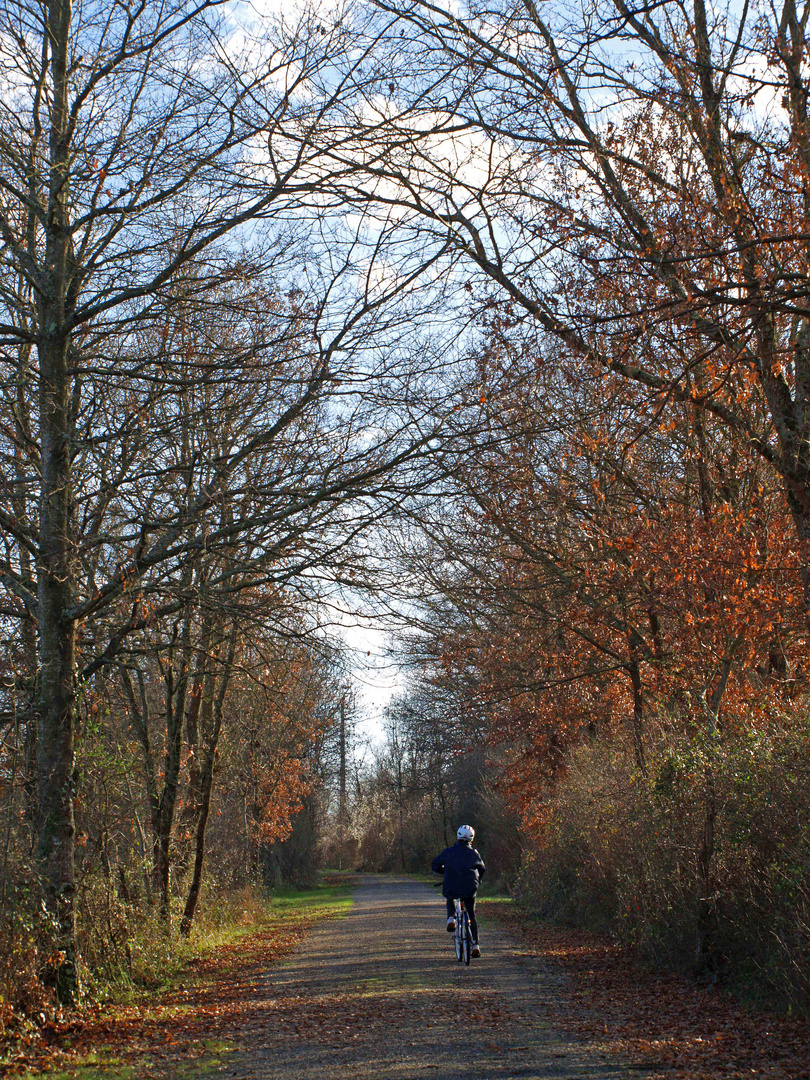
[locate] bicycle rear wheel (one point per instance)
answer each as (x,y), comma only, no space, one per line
(466,937)
(458,936)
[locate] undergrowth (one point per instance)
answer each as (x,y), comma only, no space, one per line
(163,966)
(620,854)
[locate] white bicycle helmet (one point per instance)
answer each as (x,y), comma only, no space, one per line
(465,832)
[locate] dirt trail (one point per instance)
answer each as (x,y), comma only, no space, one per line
(379,994)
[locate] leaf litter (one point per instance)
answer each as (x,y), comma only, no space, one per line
(665,1025)
(669,1025)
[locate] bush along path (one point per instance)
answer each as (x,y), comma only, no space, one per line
(378,993)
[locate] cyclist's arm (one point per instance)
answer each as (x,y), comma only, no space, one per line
(437,866)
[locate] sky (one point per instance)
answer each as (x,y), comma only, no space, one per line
(375,676)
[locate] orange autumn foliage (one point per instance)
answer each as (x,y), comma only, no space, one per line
(632,568)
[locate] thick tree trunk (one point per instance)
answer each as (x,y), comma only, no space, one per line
(800,508)
(55,572)
(57,781)
(27,680)
(55,729)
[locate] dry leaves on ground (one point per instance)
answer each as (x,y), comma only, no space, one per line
(216,1002)
(670,1025)
(666,1025)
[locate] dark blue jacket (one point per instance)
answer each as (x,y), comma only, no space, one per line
(462,867)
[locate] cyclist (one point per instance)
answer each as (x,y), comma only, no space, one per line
(463,869)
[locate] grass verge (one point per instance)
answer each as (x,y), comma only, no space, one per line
(188,1028)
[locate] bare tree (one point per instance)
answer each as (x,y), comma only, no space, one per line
(629,178)
(154,159)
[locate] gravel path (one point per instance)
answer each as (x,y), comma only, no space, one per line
(379,994)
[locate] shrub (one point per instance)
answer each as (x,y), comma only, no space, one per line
(126,944)
(25,937)
(620,854)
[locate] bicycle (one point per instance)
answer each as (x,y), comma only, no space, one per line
(462,937)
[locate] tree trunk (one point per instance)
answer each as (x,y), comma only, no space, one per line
(199,714)
(139,718)
(199,836)
(27,682)
(55,726)
(176,693)
(445,820)
(168,801)
(637,723)
(799,502)
(207,785)
(343,812)
(705,902)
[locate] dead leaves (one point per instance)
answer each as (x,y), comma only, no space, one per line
(668,1024)
(219,1000)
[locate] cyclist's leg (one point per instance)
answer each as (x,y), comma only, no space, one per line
(451,914)
(469,904)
